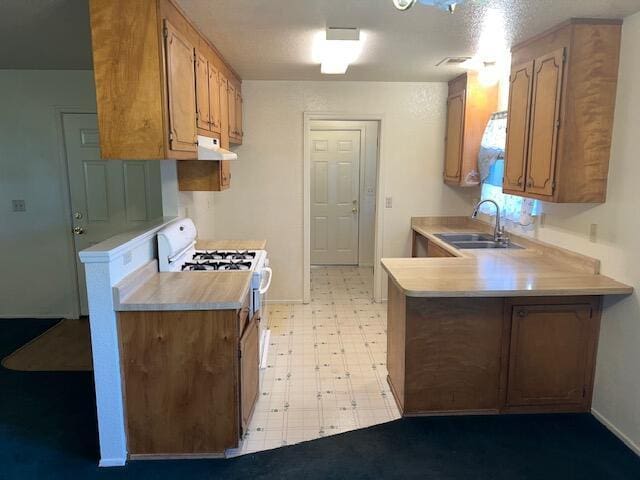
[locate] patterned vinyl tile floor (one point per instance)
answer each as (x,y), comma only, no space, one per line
(326,369)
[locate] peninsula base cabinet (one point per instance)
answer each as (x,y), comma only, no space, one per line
(491,355)
(190,381)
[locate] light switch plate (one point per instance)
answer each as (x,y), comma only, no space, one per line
(18,206)
(388,202)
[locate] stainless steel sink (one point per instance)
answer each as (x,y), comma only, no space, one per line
(484,244)
(465,237)
(474,241)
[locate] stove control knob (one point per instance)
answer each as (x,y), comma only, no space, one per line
(78,230)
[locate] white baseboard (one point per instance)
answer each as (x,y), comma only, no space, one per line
(616,431)
(112,462)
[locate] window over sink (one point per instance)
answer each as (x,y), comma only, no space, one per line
(491,163)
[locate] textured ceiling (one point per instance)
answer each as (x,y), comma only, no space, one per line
(272,39)
(45,34)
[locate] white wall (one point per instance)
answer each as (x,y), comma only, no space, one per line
(617,392)
(265,199)
(35,256)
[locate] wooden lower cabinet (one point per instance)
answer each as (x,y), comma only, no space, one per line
(491,355)
(422,247)
(249,380)
(552,353)
(190,380)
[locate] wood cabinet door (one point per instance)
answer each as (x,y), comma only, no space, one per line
(249,372)
(520,87)
(238,113)
(549,354)
(202,93)
(224,111)
(231,103)
(181,86)
(214,99)
(454,138)
(225,174)
(545,122)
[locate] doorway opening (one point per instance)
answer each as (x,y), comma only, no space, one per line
(342,225)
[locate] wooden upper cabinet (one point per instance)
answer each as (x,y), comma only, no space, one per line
(552,354)
(231,106)
(238,112)
(559,134)
(214,99)
(469,107)
(157,83)
(545,122)
(208,96)
(203,105)
(454,138)
(520,86)
(181,85)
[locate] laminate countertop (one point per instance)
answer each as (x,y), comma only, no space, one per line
(539,269)
(161,291)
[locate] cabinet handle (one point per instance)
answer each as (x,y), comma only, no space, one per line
(522,313)
(529,183)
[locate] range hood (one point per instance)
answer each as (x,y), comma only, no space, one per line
(209,149)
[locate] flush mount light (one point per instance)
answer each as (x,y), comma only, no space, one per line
(336,49)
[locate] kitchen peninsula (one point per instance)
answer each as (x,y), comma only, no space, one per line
(492,330)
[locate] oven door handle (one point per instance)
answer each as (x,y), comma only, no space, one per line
(264,289)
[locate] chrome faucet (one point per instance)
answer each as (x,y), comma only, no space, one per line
(499,235)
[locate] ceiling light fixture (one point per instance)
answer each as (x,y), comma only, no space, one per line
(448,5)
(337,48)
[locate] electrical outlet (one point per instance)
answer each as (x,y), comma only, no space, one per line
(18,206)
(126,258)
(388,202)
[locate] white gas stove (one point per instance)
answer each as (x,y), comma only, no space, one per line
(177,253)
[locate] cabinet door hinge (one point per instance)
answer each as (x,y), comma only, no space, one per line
(171,136)
(553,185)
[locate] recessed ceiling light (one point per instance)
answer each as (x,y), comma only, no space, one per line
(337,49)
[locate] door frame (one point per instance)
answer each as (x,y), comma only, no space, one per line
(65,188)
(362,160)
(308,118)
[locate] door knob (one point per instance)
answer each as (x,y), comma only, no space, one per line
(77,215)
(354,210)
(78,230)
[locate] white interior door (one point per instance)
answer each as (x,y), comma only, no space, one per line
(335,189)
(107,196)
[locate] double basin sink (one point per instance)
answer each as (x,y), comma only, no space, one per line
(473,241)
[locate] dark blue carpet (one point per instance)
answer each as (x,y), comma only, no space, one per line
(48,431)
